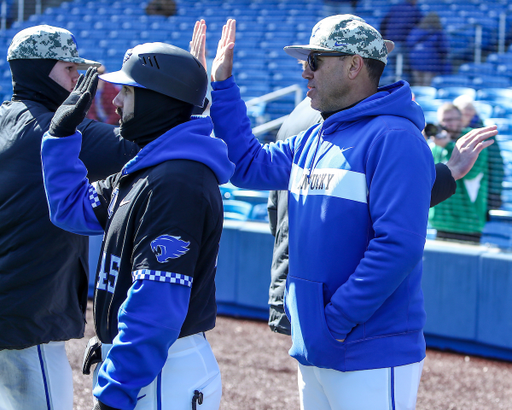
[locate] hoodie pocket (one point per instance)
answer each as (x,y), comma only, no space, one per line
(313,343)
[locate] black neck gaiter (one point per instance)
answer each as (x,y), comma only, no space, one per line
(327,114)
(31,81)
(154,114)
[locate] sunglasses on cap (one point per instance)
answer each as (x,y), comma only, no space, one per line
(312,59)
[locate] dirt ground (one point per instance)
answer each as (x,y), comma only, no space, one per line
(258,374)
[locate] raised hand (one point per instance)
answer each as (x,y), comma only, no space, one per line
(222,66)
(467,149)
(74,109)
(198,43)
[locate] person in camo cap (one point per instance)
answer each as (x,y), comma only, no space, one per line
(349,35)
(359,187)
(47,42)
(43,269)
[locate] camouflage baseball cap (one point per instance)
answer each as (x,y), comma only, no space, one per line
(47,42)
(344,33)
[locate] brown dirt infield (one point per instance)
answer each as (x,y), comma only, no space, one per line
(258,374)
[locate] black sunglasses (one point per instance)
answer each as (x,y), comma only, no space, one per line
(312,59)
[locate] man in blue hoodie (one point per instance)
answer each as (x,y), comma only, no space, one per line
(161,219)
(359,192)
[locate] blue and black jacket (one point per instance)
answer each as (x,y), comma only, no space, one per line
(162,218)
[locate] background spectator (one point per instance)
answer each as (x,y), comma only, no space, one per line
(399,21)
(461,217)
(470,117)
(428,49)
(396,26)
(163,7)
(470,120)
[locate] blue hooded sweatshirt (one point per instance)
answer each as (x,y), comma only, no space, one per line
(359,192)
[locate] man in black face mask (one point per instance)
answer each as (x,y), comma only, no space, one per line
(162,218)
(43,269)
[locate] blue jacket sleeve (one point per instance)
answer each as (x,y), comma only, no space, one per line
(150,321)
(400,178)
(257,167)
(68,191)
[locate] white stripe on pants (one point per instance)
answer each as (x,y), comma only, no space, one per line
(36,378)
(394,388)
(190,366)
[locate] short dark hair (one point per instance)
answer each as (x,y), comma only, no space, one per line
(375,69)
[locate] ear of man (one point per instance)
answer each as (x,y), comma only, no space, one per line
(355,65)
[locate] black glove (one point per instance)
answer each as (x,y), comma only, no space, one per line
(100,406)
(74,109)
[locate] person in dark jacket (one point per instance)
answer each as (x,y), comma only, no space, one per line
(301,118)
(43,269)
(400,19)
(162,219)
(428,50)
(396,25)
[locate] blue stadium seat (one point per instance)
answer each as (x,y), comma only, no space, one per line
(259,213)
(504,70)
(279,108)
(251,76)
(491,81)
(504,124)
(450,93)
(237,210)
(227,189)
(453,80)
(494,94)
(430,117)
(254,90)
(421,91)
(250,196)
(503,110)
(430,105)
(484,109)
(285,63)
(497,233)
(477,69)
(500,58)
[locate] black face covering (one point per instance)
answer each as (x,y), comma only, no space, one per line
(154,114)
(30,81)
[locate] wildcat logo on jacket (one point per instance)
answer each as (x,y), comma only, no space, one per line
(167,247)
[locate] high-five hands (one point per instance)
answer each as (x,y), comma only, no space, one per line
(222,66)
(74,109)
(198,43)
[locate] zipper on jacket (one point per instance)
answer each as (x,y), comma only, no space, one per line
(308,171)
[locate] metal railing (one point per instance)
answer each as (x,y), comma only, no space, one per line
(275,95)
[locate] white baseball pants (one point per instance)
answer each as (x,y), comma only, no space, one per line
(394,388)
(36,378)
(190,366)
